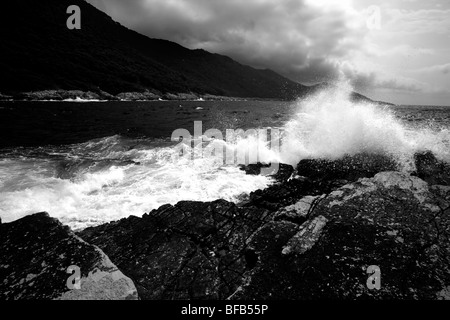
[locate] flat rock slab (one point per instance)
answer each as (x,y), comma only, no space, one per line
(35,255)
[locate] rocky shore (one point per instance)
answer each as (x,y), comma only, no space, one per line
(78,95)
(311,235)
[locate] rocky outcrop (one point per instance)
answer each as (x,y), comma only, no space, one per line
(393,221)
(431,169)
(282,174)
(192,250)
(349,168)
(136,96)
(60,95)
(303,238)
(319,232)
(315,177)
(36,253)
(100,95)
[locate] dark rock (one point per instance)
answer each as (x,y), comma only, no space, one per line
(350,168)
(5,97)
(278,196)
(192,250)
(300,211)
(317,177)
(431,169)
(60,95)
(180,96)
(305,237)
(134,96)
(393,221)
(282,174)
(35,253)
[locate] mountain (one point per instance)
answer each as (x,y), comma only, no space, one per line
(39,52)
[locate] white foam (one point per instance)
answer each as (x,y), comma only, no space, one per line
(113,177)
(96,196)
(330,125)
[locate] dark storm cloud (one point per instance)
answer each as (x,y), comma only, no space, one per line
(301,39)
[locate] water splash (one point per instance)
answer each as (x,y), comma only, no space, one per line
(330,125)
(110,178)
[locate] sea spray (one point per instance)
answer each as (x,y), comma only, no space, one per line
(330,125)
(113,177)
(111,181)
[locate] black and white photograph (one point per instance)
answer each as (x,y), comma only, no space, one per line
(225,154)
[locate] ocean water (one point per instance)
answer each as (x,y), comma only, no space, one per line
(90,163)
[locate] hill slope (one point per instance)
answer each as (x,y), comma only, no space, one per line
(39,53)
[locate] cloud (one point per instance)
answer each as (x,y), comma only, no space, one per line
(301,39)
(309,41)
(399,50)
(418,22)
(363,79)
(442,68)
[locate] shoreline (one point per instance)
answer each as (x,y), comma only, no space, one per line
(101,96)
(329,218)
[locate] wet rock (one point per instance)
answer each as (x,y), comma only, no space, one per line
(442,193)
(431,169)
(192,250)
(444,294)
(282,173)
(35,254)
(278,196)
(311,235)
(393,221)
(314,177)
(350,168)
(300,211)
(307,236)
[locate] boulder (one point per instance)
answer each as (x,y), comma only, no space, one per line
(278,196)
(283,173)
(38,256)
(192,250)
(317,233)
(393,221)
(315,177)
(431,169)
(300,211)
(351,168)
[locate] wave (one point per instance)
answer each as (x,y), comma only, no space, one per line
(113,177)
(331,125)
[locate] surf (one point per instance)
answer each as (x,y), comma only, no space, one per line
(110,178)
(331,125)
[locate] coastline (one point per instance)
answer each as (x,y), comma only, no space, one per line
(310,235)
(102,96)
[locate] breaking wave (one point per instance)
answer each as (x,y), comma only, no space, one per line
(110,178)
(330,125)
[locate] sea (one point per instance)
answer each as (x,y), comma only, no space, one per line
(91,162)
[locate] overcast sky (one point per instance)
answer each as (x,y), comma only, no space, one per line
(405,58)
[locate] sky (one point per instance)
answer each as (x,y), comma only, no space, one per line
(390,50)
